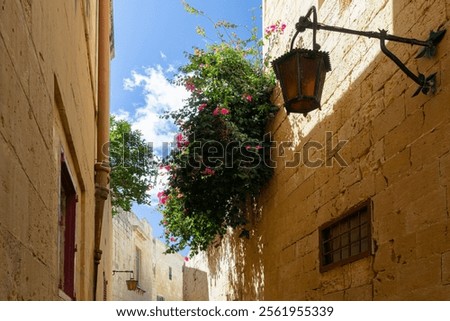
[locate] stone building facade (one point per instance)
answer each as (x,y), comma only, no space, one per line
(392,190)
(207,276)
(160,276)
(49,128)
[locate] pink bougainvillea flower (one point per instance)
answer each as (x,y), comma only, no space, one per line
(190,86)
(209,171)
(172,239)
(165,167)
(257,147)
(221,110)
(249,98)
(162,197)
(181,140)
(274,29)
(186,259)
(202,106)
(164,222)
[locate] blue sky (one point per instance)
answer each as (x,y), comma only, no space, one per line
(151,38)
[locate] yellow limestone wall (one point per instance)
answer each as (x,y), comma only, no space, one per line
(397,155)
(130,233)
(48,94)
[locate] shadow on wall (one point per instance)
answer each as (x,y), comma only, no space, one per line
(195,284)
(241,279)
(366,103)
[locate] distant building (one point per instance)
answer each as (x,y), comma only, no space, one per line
(55,219)
(159,276)
(203,280)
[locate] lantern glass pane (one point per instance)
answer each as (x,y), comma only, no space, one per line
(288,74)
(301,73)
(308,70)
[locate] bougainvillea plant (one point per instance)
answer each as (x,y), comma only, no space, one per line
(222,154)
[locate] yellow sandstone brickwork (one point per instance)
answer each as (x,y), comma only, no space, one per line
(397,153)
(48,94)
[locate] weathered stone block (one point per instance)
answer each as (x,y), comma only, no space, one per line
(432,240)
(434,293)
(310,261)
(430,15)
(386,285)
(436,115)
(361,293)
(391,117)
(404,250)
(333,296)
(445,261)
(337,279)
(16,37)
(408,189)
(404,134)
(361,191)
(349,175)
(360,145)
(421,274)
(387,225)
(361,272)
(430,146)
(427,210)
(384,256)
(397,166)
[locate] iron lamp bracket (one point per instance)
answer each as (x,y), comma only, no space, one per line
(426,84)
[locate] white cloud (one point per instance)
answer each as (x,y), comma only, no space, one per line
(171,69)
(160,96)
(122,115)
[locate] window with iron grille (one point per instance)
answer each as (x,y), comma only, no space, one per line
(346,239)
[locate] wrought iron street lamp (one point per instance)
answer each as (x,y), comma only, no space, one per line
(131,282)
(301,72)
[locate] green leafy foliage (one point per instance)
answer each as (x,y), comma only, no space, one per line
(222,157)
(133,167)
